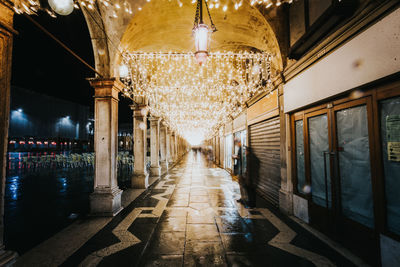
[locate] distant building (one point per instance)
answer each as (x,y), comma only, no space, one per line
(40,121)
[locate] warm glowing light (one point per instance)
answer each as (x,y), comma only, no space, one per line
(33,6)
(194,138)
(142,126)
(201,35)
(62,7)
(192,98)
(123,71)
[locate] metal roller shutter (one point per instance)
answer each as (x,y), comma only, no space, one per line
(265,142)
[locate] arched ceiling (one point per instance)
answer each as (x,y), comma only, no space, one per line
(163,26)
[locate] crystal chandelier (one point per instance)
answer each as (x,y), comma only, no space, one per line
(202,33)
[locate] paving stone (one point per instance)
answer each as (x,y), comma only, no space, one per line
(201,226)
(205,232)
(204,254)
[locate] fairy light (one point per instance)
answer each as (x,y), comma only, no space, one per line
(193,98)
(31,7)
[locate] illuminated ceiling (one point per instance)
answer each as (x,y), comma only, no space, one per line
(164,26)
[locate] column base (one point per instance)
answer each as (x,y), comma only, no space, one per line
(286,202)
(7,257)
(155,171)
(105,202)
(140,181)
(164,166)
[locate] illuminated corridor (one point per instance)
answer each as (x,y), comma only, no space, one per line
(190,218)
(199,133)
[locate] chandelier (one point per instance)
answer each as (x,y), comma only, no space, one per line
(194,99)
(202,33)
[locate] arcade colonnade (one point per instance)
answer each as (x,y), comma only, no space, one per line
(166,147)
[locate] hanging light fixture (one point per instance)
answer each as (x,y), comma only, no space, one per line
(62,7)
(202,33)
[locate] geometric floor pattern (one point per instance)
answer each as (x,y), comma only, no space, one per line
(190,218)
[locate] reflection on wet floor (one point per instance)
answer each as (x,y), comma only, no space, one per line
(39,202)
(191,218)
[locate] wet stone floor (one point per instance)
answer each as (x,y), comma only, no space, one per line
(190,218)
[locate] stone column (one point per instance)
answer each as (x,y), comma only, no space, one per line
(169,147)
(163,148)
(106,198)
(173,146)
(6,39)
(155,169)
(140,178)
(179,147)
(286,190)
(176,147)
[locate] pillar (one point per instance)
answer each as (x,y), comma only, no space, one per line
(179,147)
(6,39)
(155,169)
(169,147)
(286,190)
(163,148)
(106,198)
(176,147)
(140,178)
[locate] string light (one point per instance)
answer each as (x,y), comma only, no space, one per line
(192,98)
(33,6)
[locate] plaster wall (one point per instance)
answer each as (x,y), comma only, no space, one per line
(240,122)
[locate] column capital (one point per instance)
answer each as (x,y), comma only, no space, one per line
(139,110)
(104,88)
(6,17)
(154,119)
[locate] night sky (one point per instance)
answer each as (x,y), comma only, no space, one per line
(42,65)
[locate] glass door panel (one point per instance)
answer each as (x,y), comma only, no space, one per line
(390,136)
(300,165)
(319,166)
(244,144)
(228,151)
(354,165)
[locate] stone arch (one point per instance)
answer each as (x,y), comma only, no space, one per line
(167,27)
(164,26)
(99,39)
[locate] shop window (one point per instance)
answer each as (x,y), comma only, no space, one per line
(319,145)
(301,178)
(390,136)
(354,165)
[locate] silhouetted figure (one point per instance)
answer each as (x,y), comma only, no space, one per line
(237,171)
(251,176)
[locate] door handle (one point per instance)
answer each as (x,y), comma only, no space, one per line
(325,153)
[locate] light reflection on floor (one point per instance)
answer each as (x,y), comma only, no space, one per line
(39,202)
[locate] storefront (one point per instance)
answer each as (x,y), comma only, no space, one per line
(240,134)
(221,138)
(264,139)
(228,152)
(345,135)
